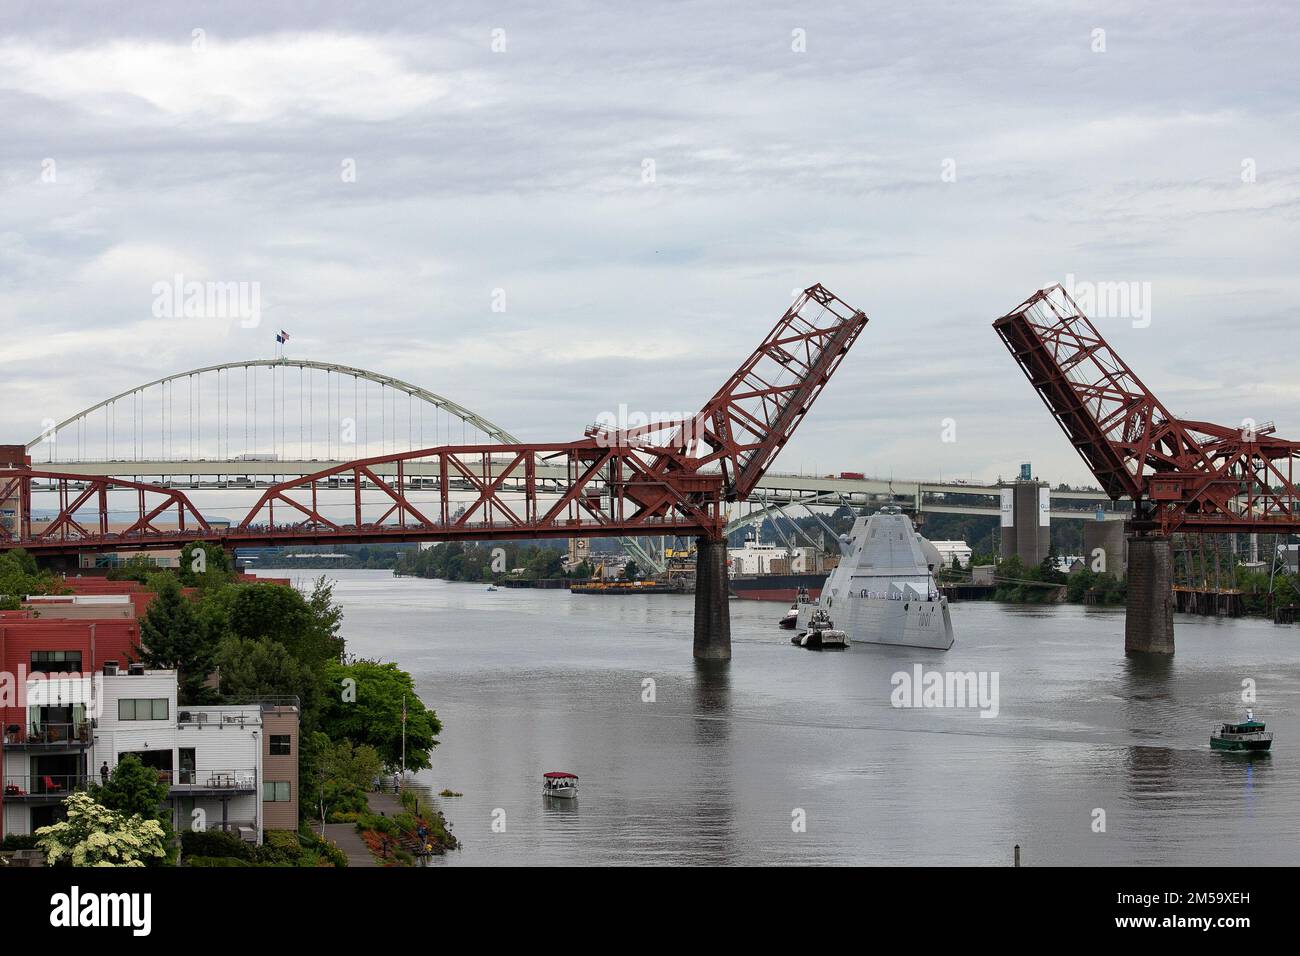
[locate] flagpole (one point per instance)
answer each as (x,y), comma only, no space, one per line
(403,736)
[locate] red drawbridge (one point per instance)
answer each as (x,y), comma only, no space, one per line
(1182,475)
(666,478)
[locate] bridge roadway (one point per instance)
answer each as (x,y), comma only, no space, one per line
(772,488)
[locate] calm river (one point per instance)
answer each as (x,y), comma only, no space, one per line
(722,763)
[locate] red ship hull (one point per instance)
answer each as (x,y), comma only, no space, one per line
(776,587)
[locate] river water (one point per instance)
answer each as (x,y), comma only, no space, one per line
(723,765)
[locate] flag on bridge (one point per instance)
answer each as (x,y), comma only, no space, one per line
(282,337)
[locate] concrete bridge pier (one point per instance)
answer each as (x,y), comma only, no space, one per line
(712,615)
(1149,621)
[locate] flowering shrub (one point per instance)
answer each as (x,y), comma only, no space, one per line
(94,835)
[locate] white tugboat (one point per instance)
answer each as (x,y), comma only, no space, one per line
(883,591)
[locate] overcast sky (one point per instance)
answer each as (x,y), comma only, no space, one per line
(931,164)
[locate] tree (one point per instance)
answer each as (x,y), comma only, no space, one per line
(135,790)
(94,835)
(137,567)
(630,571)
(346,764)
(307,628)
(265,668)
(364,703)
(173,636)
(204,565)
(20,577)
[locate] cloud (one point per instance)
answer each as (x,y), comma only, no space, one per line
(252,80)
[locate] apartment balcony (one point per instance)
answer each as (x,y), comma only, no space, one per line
(218,718)
(210,783)
(43,737)
(42,788)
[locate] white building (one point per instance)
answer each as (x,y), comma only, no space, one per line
(950,549)
(210,756)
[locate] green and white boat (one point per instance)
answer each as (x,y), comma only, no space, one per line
(1248,736)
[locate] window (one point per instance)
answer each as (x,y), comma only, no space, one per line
(142,708)
(56,662)
(280,746)
(275,791)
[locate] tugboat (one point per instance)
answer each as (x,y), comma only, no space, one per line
(1247,736)
(821,634)
(792,616)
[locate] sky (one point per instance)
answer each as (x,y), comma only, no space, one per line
(547,211)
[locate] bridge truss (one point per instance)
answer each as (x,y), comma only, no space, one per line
(670,478)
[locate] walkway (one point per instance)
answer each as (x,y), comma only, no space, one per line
(346,837)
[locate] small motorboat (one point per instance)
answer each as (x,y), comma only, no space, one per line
(822,634)
(493,587)
(558,783)
(1248,736)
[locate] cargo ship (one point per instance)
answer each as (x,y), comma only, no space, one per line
(761,571)
(776,587)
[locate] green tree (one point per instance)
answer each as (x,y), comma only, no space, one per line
(137,567)
(308,628)
(264,668)
(19,577)
(630,571)
(172,636)
(94,835)
(364,704)
(134,789)
(211,570)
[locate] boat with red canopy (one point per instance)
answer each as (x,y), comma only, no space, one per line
(560,783)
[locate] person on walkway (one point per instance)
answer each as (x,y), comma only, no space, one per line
(103,773)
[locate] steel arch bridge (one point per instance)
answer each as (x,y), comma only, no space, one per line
(262,410)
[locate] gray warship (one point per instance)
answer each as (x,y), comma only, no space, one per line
(883,591)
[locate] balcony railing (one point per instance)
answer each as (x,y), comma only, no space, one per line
(48,735)
(219,717)
(42,786)
(196,782)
